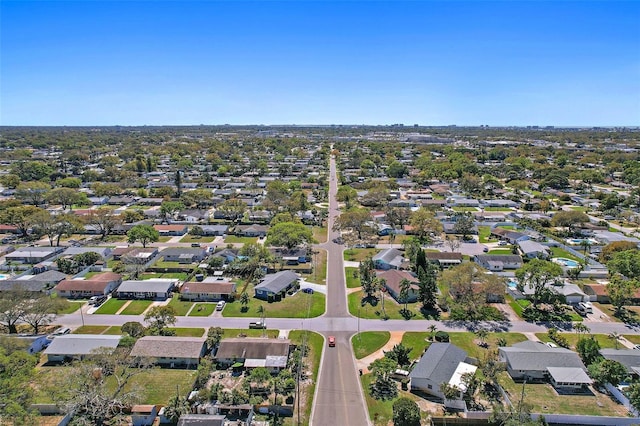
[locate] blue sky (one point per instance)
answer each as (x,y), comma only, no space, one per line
(297,62)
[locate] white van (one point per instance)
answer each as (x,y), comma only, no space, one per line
(220,305)
(62,331)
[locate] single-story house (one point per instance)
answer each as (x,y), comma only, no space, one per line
(450,228)
(214,230)
(499,262)
(390,258)
(441,363)
(144,415)
(532,249)
(156,289)
(170,351)
(608,237)
(254,352)
(117,200)
(393,278)
(229,255)
(291,256)
(275,285)
(509,235)
(36,283)
(630,358)
(444,259)
(210,290)
(98,285)
(202,420)
(184,254)
(571,292)
(173,230)
(77,346)
(251,230)
(568,378)
(530,360)
(103,252)
(599,291)
(33,255)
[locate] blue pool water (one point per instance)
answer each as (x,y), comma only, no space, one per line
(566,262)
(512,284)
(3,277)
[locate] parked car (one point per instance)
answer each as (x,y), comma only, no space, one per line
(503,243)
(97,300)
(257,324)
(62,331)
(307,290)
(586,306)
(220,305)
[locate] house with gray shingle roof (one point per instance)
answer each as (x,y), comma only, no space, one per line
(441,363)
(78,346)
(156,289)
(498,262)
(630,358)
(390,258)
(38,283)
(170,351)
(531,360)
(275,285)
(532,249)
(254,352)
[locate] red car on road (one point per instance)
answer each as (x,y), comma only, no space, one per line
(332,341)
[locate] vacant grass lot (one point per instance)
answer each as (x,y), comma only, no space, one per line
(319,266)
(352,276)
(391,307)
(111,306)
(232,239)
(358,255)
(203,310)
(136,307)
(320,234)
(296,306)
(545,399)
(91,329)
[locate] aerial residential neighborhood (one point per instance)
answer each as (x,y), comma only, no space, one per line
(224,281)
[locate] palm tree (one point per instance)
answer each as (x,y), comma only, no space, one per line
(482,334)
(586,244)
(244,301)
(581,328)
(405,286)
(262,311)
(616,337)
(432,330)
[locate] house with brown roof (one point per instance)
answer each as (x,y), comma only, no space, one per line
(98,285)
(392,279)
(170,351)
(212,289)
(172,230)
(254,352)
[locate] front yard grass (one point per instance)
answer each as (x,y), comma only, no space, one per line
(71,307)
(517,305)
(136,307)
(232,239)
(197,239)
(91,329)
(368,342)
(181,307)
(111,306)
(173,275)
(295,306)
(602,339)
(352,277)
(559,252)
(203,310)
(544,399)
(253,332)
(358,254)
(320,234)
(500,251)
(187,332)
(391,307)
(483,234)
(319,266)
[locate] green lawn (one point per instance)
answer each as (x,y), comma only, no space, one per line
(381,412)
(558,252)
(497,209)
(111,306)
(572,338)
(391,307)
(232,239)
(253,332)
(188,332)
(71,308)
(483,233)
(160,384)
(181,307)
(319,266)
(545,399)
(91,329)
(315,343)
(517,305)
(197,239)
(296,306)
(174,275)
(500,251)
(164,238)
(352,282)
(419,342)
(465,209)
(579,208)
(368,342)
(320,234)
(357,254)
(174,265)
(203,310)
(114,330)
(136,307)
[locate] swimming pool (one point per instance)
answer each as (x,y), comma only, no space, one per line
(512,285)
(4,277)
(565,262)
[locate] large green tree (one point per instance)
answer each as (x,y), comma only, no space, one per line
(538,274)
(626,263)
(17,371)
(144,233)
(620,292)
(289,234)
(425,223)
(159,319)
(406,412)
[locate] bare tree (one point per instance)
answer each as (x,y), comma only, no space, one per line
(453,243)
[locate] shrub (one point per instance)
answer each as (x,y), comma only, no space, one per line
(442,336)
